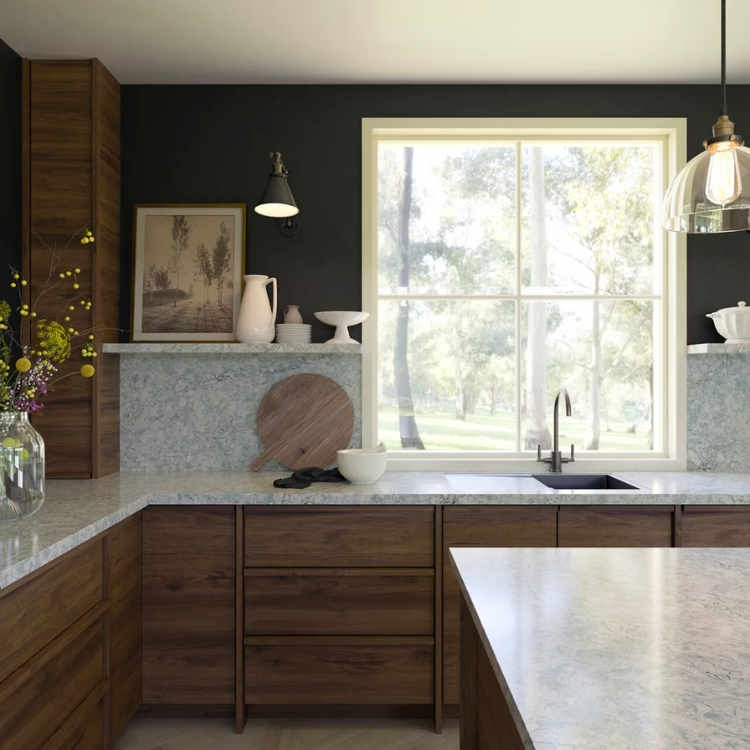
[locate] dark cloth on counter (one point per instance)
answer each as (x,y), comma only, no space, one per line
(305,477)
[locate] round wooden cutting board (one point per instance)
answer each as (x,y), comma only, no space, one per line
(303,420)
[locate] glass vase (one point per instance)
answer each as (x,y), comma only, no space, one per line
(21,466)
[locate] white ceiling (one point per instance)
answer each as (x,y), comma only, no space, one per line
(386,41)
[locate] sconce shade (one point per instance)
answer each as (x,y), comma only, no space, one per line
(277,200)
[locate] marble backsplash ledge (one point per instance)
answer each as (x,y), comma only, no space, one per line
(197,412)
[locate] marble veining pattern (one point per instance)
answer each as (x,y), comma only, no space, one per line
(602,649)
(77,510)
(718,409)
(198,413)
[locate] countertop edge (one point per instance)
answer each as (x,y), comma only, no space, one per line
(49,554)
(71,527)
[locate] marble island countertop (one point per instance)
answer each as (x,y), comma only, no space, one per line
(77,510)
(597,649)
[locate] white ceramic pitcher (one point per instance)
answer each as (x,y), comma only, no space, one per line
(255,324)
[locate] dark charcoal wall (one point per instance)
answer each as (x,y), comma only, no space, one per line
(209,144)
(10,160)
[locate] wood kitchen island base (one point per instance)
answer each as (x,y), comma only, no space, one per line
(486,721)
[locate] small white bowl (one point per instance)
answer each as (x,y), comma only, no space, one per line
(363,465)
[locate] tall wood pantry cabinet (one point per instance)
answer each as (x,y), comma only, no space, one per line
(71,181)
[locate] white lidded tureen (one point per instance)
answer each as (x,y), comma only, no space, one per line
(733,323)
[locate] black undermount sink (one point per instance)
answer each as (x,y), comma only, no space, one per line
(583,482)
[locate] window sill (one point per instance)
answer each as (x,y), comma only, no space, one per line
(403,461)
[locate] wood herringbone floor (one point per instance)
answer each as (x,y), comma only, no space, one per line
(308,734)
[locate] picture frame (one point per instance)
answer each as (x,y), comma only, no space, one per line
(188,264)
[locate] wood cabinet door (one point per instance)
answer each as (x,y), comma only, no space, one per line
(715,526)
(339,671)
(84,728)
(483,526)
(339,601)
(615,526)
(328,536)
(35,612)
(41,695)
(188,605)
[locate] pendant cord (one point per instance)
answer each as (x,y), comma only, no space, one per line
(723,110)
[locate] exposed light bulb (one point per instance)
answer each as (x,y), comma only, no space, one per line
(723,183)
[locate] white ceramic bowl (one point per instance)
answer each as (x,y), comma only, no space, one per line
(733,323)
(341,319)
(363,465)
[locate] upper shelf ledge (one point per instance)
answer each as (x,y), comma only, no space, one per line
(229,348)
(719,349)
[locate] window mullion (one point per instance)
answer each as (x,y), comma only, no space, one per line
(518,298)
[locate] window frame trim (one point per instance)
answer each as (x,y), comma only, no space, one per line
(673,131)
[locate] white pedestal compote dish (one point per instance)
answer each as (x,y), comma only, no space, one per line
(342,319)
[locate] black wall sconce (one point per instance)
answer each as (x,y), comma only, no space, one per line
(277,200)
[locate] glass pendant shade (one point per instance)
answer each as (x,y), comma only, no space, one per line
(277,200)
(711,193)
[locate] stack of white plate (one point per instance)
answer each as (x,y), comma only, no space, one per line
(293,333)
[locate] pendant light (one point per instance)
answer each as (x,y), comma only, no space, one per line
(277,200)
(711,193)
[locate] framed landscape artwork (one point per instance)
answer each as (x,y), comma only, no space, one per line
(188,264)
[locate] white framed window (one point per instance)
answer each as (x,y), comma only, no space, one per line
(503,259)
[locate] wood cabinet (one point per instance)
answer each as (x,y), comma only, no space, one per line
(715,526)
(483,526)
(125,622)
(71,180)
(189,605)
(342,606)
(486,720)
(70,673)
(339,605)
(616,526)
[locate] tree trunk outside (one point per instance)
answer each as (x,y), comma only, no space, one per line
(651,407)
(407,424)
(595,377)
(458,377)
(537,431)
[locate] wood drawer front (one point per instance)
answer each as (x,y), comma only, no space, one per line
(188,605)
(707,526)
(623,526)
(331,536)
(482,526)
(35,613)
(339,601)
(84,728)
(40,696)
(386,671)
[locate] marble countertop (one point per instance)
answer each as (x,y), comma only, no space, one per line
(77,510)
(601,649)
